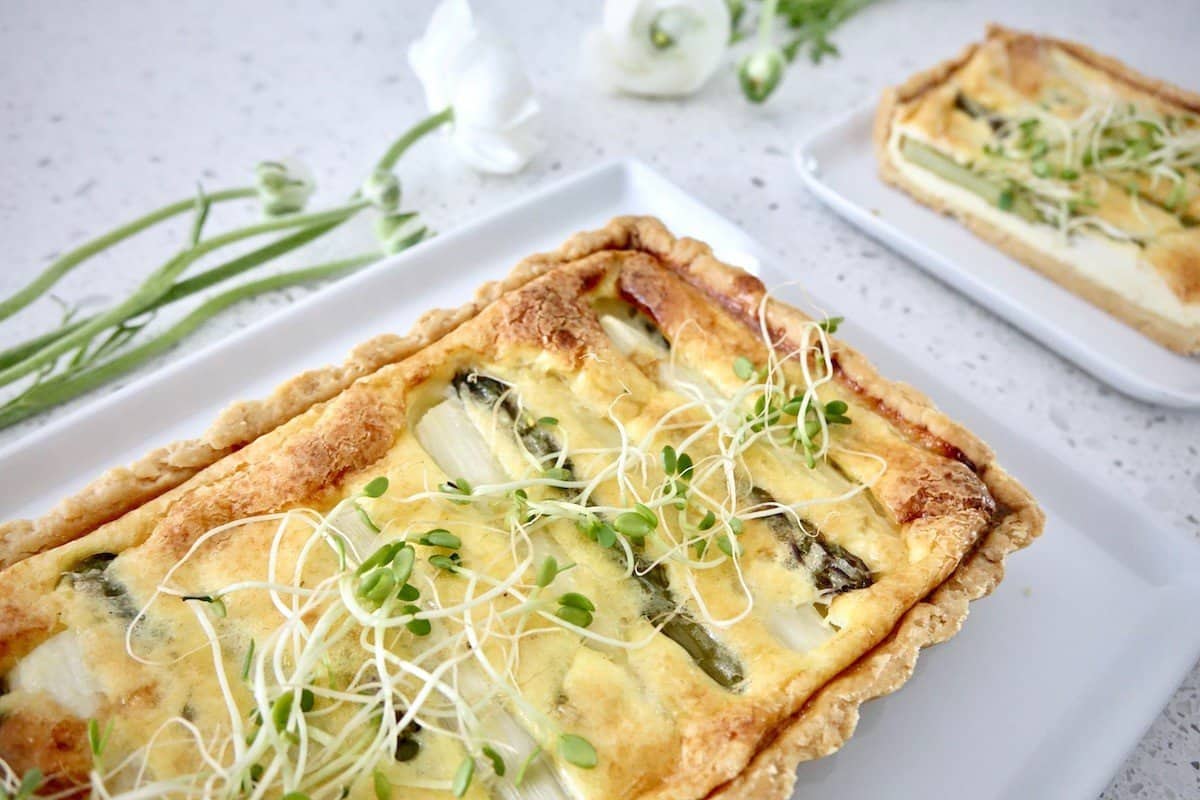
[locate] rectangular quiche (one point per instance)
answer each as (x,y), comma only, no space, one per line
(1069,161)
(625,526)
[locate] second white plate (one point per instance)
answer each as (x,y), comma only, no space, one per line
(838,164)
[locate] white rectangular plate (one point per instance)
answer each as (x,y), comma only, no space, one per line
(1053,678)
(838,164)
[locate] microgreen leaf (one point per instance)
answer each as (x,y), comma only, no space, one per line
(576,616)
(376,487)
(440,537)
(247,661)
(462,777)
(577,750)
(419,627)
(547,422)
(685,466)
(606,536)
(743,368)
(632,524)
(831,324)
(281,710)
(547,572)
(381,556)
(443,562)
(498,765)
(669,459)
(383,787)
(458,486)
(519,778)
(366,518)
(709,520)
(215,604)
(577,600)
(558,474)
(728,546)
(402,564)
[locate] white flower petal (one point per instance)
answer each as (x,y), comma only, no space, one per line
(621,56)
(440,55)
(463,64)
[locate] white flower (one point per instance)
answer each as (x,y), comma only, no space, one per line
(658,48)
(464,65)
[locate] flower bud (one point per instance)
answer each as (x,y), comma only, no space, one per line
(283,186)
(382,190)
(760,72)
(397,232)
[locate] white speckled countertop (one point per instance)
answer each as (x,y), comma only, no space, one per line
(112,109)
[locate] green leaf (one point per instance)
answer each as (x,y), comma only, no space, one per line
(295,796)
(519,778)
(577,750)
(709,520)
(668,457)
(382,556)
(440,537)
(418,627)
(685,466)
(547,422)
(247,661)
(577,600)
(383,787)
(462,778)
(743,368)
(836,407)
(376,487)
(632,524)
(281,710)
(728,546)
(443,562)
(831,324)
(576,616)
(558,474)
(606,536)
(547,572)
(402,564)
(498,765)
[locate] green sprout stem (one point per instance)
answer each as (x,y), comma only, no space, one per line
(40,356)
(64,264)
(65,387)
(411,136)
(161,281)
(180,290)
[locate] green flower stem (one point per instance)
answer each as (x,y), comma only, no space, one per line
(160,282)
(68,262)
(411,136)
(766,22)
(65,387)
(180,290)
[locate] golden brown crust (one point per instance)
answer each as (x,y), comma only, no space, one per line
(348,432)
(1181,338)
(124,488)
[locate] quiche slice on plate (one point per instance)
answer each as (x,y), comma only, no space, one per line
(1066,159)
(625,526)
